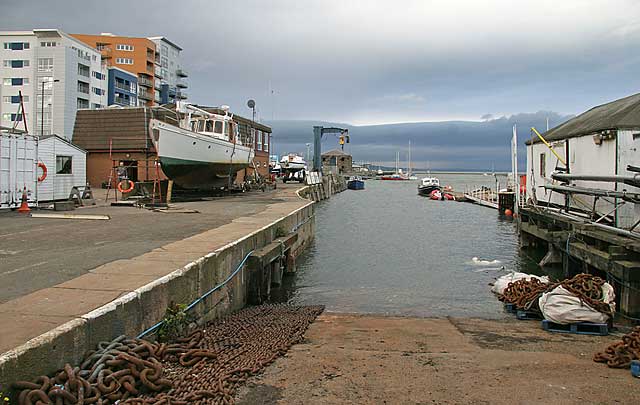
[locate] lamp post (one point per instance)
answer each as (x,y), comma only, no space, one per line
(42,104)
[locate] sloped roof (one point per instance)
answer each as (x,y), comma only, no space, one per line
(120,128)
(61,139)
(335,152)
(619,114)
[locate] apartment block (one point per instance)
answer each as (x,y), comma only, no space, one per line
(123,87)
(170,74)
(56,74)
(134,55)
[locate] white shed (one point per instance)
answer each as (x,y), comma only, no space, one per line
(602,141)
(66,167)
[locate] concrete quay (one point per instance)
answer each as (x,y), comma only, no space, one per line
(76,283)
(369,359)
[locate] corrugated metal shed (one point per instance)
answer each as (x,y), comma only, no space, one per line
(620,114)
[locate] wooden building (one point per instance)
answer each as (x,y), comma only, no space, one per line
(601,141)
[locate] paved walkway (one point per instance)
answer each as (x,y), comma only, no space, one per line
(350,359)
(55,270)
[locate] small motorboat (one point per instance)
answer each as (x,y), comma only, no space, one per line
(428,185)
(355,183)
(440,195)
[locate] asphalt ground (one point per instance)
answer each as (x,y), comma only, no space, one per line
(37,253)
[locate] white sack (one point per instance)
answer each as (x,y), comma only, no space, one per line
(502,282)
(560,306)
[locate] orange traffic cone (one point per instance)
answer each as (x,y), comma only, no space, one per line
(24,207)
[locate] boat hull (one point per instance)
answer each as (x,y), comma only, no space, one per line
(355,185)
(426,190)
(195,161)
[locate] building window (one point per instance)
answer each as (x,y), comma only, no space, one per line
(16,63)
(16,46)
(45,64)
(83,70)
(133,87)
(96,106)
(267,139)
(15,81)
(123,47)
(124,61)
(82,103)
(12,117)
(14,99)
(543,165)
(47,44)
(83,87)
(259,146)
(64,164)
(98,91)
(98,75)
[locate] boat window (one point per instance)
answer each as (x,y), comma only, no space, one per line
(193,126)
(200,126)
(218,127)
(209,126)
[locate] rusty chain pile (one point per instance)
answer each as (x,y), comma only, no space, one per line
(620,354)
(522,293)
(205,368)
(587,288)
(116,371)
(245,343)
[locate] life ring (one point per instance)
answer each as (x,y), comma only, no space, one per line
(44,172)
(126,190)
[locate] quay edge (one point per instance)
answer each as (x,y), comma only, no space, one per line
(140,309)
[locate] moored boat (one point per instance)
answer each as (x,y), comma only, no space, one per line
(204,151)
(428,185)
(355,183)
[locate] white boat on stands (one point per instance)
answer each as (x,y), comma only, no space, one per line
(292,163)
(205,151)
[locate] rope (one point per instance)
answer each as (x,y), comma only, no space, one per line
(203,296)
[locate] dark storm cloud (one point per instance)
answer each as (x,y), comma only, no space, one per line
(373,62)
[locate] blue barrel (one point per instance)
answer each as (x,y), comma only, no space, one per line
(635,368)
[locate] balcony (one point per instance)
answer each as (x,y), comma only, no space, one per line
(121,101)
(145,95)
(181,85)
(143,81)
(123,86)
(157,84)
(158,73)
(182,95)
(182,73)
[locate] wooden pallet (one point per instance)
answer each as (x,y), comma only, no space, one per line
(581,328)
(528,315)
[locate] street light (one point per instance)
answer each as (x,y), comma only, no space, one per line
(42,103)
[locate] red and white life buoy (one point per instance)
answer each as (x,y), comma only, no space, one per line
(125,190)
(44,172)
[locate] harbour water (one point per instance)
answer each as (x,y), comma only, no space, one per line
(387,250)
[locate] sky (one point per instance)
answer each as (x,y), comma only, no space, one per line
(373,62)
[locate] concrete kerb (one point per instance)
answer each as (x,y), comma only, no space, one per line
(135,311)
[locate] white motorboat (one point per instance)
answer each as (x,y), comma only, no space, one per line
(205,151)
